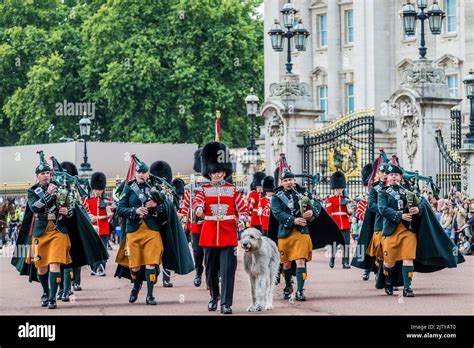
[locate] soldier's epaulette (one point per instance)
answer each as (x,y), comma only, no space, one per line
(35,186)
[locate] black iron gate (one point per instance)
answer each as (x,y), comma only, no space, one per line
(346,145)
(449,171)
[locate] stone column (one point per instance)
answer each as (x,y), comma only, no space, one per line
(334,60)
(467,170)
(420,108)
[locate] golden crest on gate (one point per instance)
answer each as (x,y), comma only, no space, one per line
(344,158)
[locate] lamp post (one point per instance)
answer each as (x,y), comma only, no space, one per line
(85,131)
(435,18)
(293,29)
(469,82)
(251,102)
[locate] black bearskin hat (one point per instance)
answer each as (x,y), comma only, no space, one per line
(366,173)
(215,158)
(163,170)
(98,181)
(197,161)
(268,184)
(257,178)
(70,168)
(179,186)
(338,180)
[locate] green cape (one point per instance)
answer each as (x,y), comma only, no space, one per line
(434,249)
(86,246)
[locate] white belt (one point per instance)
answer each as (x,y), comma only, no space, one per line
(339,213)
(219,217)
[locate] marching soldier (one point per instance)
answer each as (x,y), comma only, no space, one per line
(253,201)
(264,209)
(297,232)
(100,212)
(399,239)
(51,225)
(219,204)
(151,223)
(338,208)
(191,221)
(375,246)
(163,170)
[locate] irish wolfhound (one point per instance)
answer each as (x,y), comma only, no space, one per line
(261,262)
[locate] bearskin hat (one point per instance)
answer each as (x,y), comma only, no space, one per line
(197,161)
(178,186)
(215,159)
(70,168)
(257,178)
(338,180)
(163,170)
(366,173)
(268,184)
(98,181)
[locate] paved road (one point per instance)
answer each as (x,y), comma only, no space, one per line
(329,292)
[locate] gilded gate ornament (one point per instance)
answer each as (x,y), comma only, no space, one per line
(344,158)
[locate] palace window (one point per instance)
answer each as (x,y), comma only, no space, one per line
(322,30)
(349,26)
(323,101)
(450,9)
(350,97)
(453,86)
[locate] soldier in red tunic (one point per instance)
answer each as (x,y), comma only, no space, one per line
(264,208)
(338,208)
(253,201)
(220,205)
(191,221)
(99,209)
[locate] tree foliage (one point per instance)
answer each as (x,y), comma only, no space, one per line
(156,70)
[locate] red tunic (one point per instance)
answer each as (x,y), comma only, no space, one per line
(265,209)
(92,207)
(185,209)
(253,202)
(222,205)
(338,212)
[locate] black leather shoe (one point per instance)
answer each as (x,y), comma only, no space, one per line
(150,300)
(287,293)
(226,309)
(212,305)
(331,262)
(277,280)
(366,275)
(65,297)
(389,289)
(299,296)
(197,281)
(167,284)
(134,294)
(44,299)
(60,294)
(408,292)
(346,266)
(52,304)
(76,287)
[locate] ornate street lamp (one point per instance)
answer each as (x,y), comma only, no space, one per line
(435,18)
(251,102)
(469,82)
(85,131)
(297,31)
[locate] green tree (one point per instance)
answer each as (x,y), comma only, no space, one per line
(156,70)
